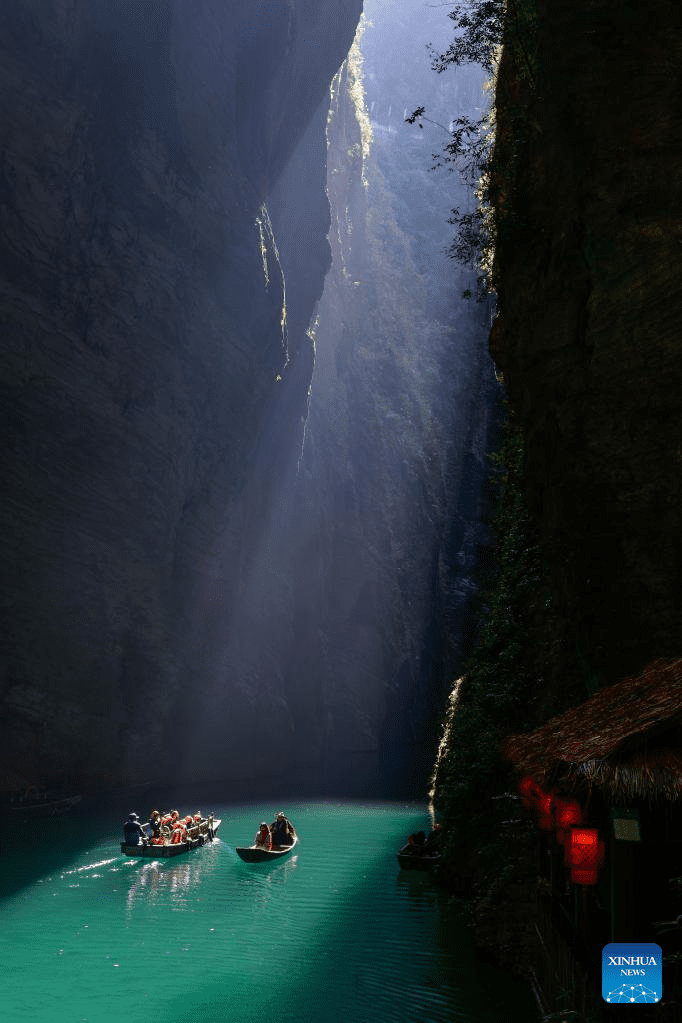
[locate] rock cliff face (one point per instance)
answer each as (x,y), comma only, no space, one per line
(588,331)
(363,567)
(143,358)
(401,406)
(231,540)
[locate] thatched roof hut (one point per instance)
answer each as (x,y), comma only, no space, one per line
(625,740)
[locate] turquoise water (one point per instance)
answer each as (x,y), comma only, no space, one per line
(334,932)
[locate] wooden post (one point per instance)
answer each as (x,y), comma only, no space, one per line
(622,890)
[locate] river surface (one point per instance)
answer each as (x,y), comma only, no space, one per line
(336,932)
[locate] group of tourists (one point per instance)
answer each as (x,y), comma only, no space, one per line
(420,844)
(278,834)
(171,829)
(161,829)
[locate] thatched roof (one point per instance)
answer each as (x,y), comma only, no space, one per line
(622,739)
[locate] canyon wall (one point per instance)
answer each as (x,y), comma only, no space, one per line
(143,357)
(402,408)
(587,335)
(243,501)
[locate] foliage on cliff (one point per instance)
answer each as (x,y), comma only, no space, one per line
(498,691)
(484,152)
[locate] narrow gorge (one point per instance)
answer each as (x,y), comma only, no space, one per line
(245,411)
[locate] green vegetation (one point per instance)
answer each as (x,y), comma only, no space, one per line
(481,23)
(486,150)
(498,691)
(502,681)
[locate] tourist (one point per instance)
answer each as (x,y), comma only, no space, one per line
(160,831)
(155,823)
(416,844)
(263,837)
(179,833)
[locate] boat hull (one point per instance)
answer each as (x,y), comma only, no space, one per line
(43,808)
(418,861)
(254,854)
(163,852)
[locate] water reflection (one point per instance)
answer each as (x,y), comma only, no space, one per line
(260,874)
(305,940)
(156,878)
(418,889)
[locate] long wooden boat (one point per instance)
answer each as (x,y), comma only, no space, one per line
(410,860)
(256,853)
(41,804)
(199,835)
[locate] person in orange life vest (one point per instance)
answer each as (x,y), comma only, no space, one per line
(179,833)
(263,838)
(170,821)
(197,817)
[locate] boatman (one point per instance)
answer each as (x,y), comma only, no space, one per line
(133,833)
(282,830)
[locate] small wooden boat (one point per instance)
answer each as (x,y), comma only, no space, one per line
(197,836)
(411,857)
(256,853)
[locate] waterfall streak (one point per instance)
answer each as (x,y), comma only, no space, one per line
(267,243)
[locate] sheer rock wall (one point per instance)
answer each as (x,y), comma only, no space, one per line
(231,549)
(142,356)
(588,334)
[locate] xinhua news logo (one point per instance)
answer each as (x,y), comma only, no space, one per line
(631,972)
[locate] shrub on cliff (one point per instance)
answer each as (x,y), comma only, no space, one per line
(483,25)
(498,691)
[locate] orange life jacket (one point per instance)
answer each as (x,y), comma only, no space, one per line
(179,834)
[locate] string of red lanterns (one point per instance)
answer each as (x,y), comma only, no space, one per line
(584,852)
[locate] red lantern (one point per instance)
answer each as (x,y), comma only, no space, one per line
(568,813)
(546,811)
(530,792)
(584,854)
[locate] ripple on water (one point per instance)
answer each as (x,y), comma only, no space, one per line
(333,932)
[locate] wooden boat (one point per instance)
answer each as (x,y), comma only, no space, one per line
(409,859)
(256,853)
(40,803)
(198,836)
